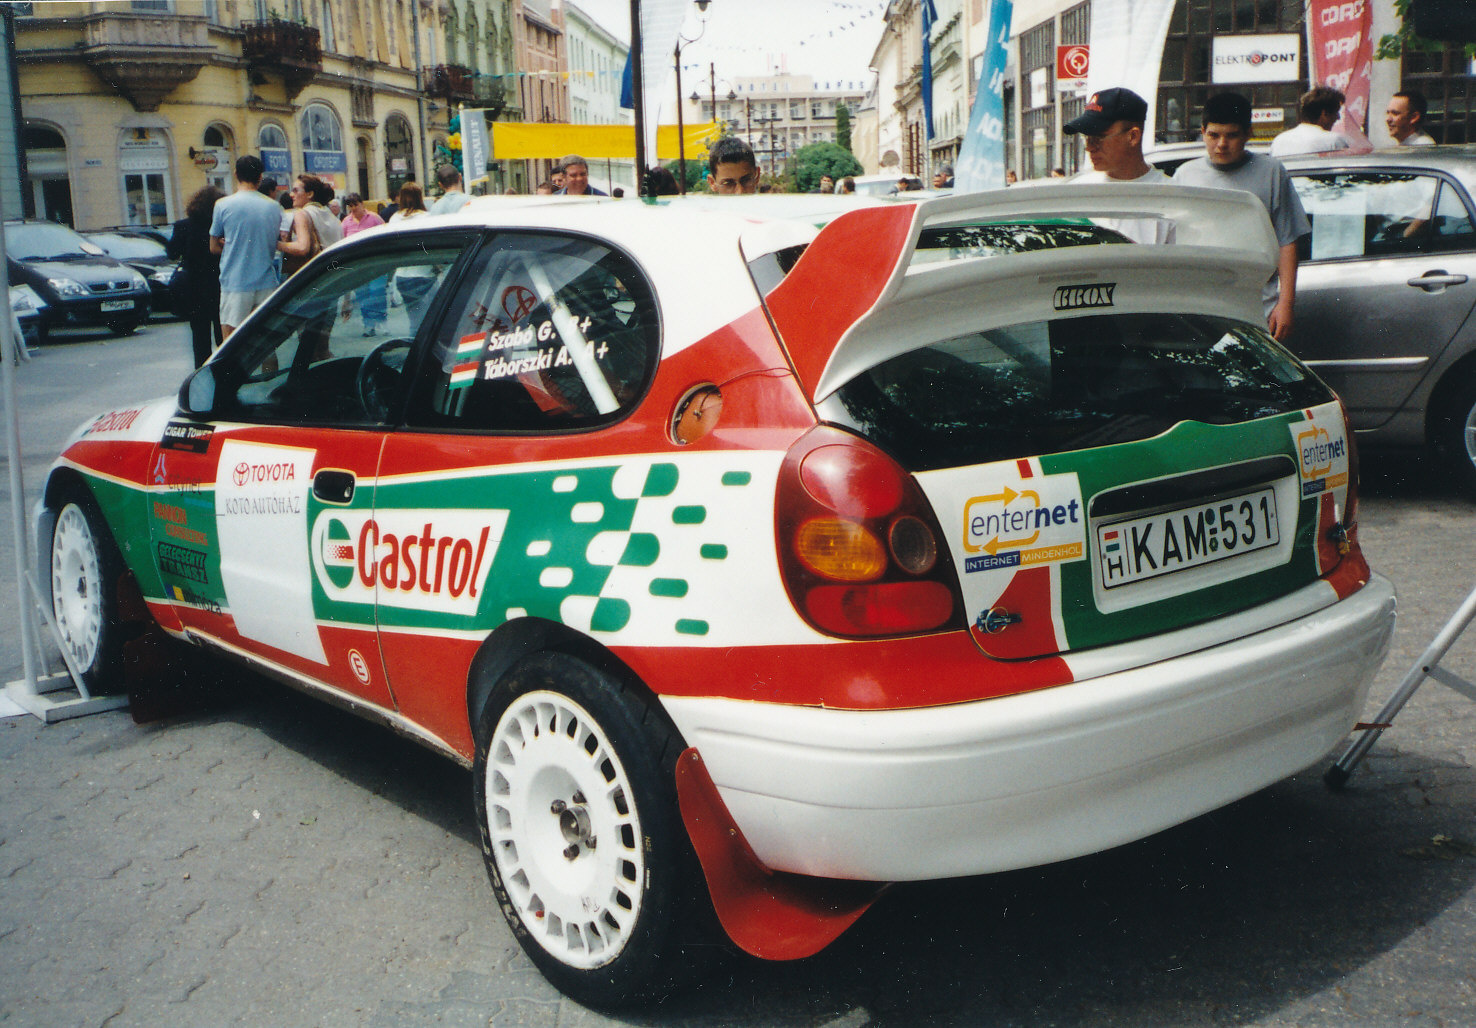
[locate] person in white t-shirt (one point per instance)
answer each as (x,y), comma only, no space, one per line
(1405,118)
(1317,112)
(1112,128)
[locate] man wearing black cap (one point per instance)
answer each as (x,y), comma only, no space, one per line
(1227,164)
(1112,128)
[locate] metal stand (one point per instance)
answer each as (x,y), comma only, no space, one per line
(1428,666)
(35,697)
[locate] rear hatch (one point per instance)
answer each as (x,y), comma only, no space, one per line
(1111,444)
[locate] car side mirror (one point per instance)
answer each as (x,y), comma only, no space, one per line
(197,395)
(93,249)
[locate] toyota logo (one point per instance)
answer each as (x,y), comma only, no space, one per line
(242,472)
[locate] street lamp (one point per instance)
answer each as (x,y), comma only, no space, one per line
(681,129)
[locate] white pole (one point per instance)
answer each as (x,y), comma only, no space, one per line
(8,356)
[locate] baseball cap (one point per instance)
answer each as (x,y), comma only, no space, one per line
(1105,107)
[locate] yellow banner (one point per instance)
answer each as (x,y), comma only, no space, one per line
(513,140)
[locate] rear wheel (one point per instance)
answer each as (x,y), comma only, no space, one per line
(85,568)
(1454,433)
(583,843)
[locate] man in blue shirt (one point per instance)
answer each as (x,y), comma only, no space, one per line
(243,230)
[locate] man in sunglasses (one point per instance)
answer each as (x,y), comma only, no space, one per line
(1112,127)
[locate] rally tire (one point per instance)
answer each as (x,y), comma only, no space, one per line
(85,570)
(576,806)
(1453,433)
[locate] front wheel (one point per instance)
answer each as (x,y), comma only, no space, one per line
(1453,434)
(85,567)
(576,802)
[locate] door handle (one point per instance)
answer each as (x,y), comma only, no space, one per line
(333,486)
(1436,281)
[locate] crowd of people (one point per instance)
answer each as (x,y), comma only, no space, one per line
(234,250)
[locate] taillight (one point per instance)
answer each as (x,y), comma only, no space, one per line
(859,549)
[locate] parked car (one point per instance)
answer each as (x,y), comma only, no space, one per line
(1385,294)
(158,233)
(145,255)
(748,576)
(80,284)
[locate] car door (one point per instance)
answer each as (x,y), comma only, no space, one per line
(264,487)
(497,491)
(1388,277)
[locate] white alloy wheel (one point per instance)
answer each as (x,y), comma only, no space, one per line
(77,596)
(564,829)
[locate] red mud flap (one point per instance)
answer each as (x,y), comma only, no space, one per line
(772,915)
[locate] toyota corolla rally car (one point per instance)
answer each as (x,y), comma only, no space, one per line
(753,566)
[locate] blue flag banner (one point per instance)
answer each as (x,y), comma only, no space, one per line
(981,158)
(929,17)
(627,84)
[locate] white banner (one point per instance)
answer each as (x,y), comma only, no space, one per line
(473,145)
(1127,49)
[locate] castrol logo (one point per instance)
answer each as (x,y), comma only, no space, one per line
(434,560)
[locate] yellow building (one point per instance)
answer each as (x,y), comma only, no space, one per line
(130,107)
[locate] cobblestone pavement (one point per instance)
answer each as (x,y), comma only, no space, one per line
(268,860)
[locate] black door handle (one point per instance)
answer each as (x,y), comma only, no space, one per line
(332,486)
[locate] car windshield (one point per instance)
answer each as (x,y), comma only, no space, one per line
(126,247)
(39,242)
(1071,384)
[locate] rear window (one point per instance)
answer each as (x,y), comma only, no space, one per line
(1071,384)
(957,242)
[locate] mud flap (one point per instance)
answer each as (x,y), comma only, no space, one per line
(769,914)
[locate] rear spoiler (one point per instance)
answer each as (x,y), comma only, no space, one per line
(855,298)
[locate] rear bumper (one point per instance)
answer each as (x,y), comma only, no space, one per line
(1049,775)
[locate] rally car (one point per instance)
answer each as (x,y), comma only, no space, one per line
(750,565)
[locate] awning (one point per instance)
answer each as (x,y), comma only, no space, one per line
(513,140)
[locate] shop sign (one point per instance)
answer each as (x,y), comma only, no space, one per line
(1072,63)
(324,162)
(1260,58)
(277,162)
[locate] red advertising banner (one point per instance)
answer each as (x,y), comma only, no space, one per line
(1073,61)
(1340,47)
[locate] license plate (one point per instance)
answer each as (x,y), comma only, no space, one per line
(117,305)
(1146,547)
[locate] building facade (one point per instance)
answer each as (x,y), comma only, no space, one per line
(129,108)
(541,54)
(1036,107)
(777,115)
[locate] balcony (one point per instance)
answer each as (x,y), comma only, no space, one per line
(145,57)
(286,48)
(451,82)
(491,93)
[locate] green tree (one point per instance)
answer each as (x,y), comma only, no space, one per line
(810,162)
(696,172)
(843,127)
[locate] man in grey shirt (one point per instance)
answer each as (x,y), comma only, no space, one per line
(243,230)
(454,198)
(1227,164)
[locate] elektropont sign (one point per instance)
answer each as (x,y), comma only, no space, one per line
(1268,58)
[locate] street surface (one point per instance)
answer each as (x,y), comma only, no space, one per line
(268,860)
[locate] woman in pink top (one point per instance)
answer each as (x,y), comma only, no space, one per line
(370,297)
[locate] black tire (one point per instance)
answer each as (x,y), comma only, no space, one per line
(85,570)
(599,888)
(1453,434)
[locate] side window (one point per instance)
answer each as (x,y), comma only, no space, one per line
(548,334)
(334,352)
(1452,228)
(1368,214)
